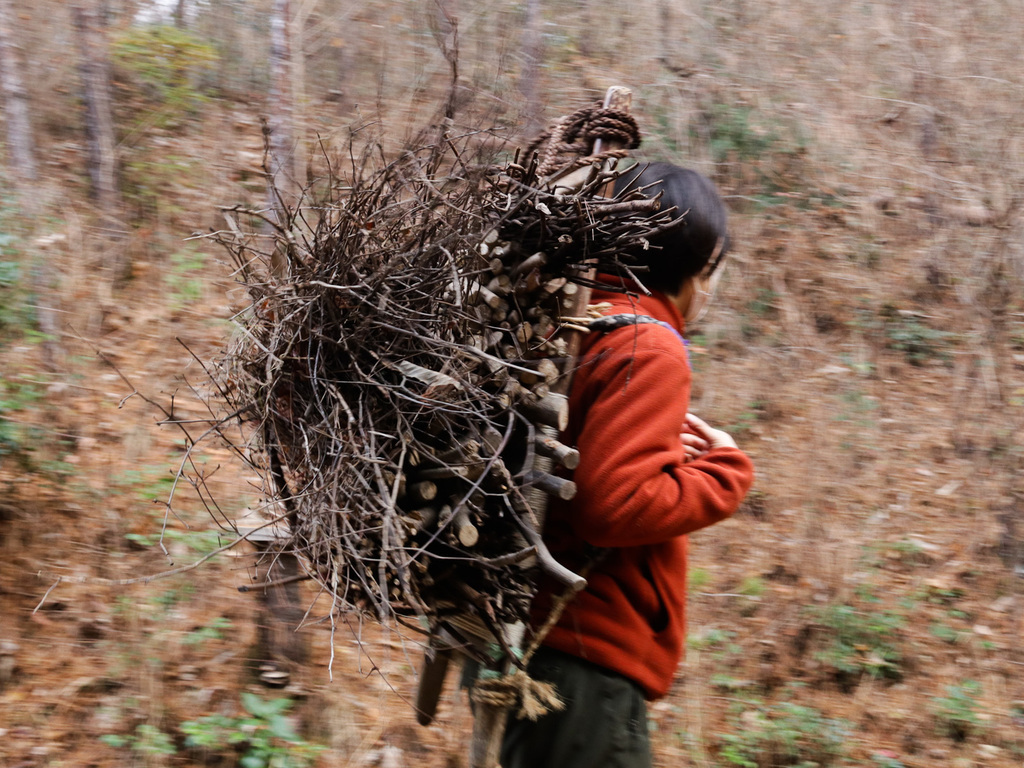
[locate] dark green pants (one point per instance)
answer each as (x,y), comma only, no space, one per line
(603,725)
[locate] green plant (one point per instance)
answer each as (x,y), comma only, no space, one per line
(212,631)
(858,407)
(903,552)
(764,303)
(162,74)
(885,758)
(14,397)
(758,153)
(148,741)
(743,423)
(956,712)
(149,176)
(739,133)
(783,735)
(698,579)
(10,273)
(173,596)
(184,277)
(16,315)
(941,592)
(751,586)
(168,63)
(710,638)
(265,736)
(944,633)
(152,484)
(199,542)
(728,682)
(907,333)
(861,642)
(860,367)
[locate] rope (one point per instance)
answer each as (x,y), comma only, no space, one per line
(570,138)
(535,697)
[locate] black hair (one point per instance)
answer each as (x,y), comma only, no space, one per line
(697,244)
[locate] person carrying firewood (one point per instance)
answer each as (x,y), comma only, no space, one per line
(650,474)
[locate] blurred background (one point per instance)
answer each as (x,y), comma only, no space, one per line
(866,347)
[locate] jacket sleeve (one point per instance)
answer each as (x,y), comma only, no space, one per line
(635,487)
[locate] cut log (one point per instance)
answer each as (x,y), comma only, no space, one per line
(541,389)
(428,517)
(551,411)
(492,440)
(465,531)
(552,485)
(523,333)
(422,492)
(441,473)
(536,261)
(500,285)
(542,369)
(565,455)
(551,287)
(478,293)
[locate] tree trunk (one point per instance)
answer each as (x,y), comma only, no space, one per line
(300,153)
(446,33)
(533,51)
(282,189)
(669,51)
(179,14)
(281,106)
(21,154)
(94,69)
(20,145)
(585,39)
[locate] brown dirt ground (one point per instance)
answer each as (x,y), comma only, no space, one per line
(882,485)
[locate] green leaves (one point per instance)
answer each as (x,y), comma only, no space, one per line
(862,642)
(167,64)
(267,735)
(784,735)
(148,740)
(956,712)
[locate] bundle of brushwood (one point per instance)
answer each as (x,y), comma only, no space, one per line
(398,367)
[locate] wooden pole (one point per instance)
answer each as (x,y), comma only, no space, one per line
(618,98)
(551,410)
(490,720)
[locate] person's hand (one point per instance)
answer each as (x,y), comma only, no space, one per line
(694,446)
(716,438)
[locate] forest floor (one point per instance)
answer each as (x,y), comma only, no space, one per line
(862,609)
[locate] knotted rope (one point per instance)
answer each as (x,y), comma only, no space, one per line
(535,697)
(570,138)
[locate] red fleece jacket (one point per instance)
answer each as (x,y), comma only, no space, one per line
(637,497)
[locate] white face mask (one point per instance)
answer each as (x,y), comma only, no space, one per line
(699,301)
(704,288)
